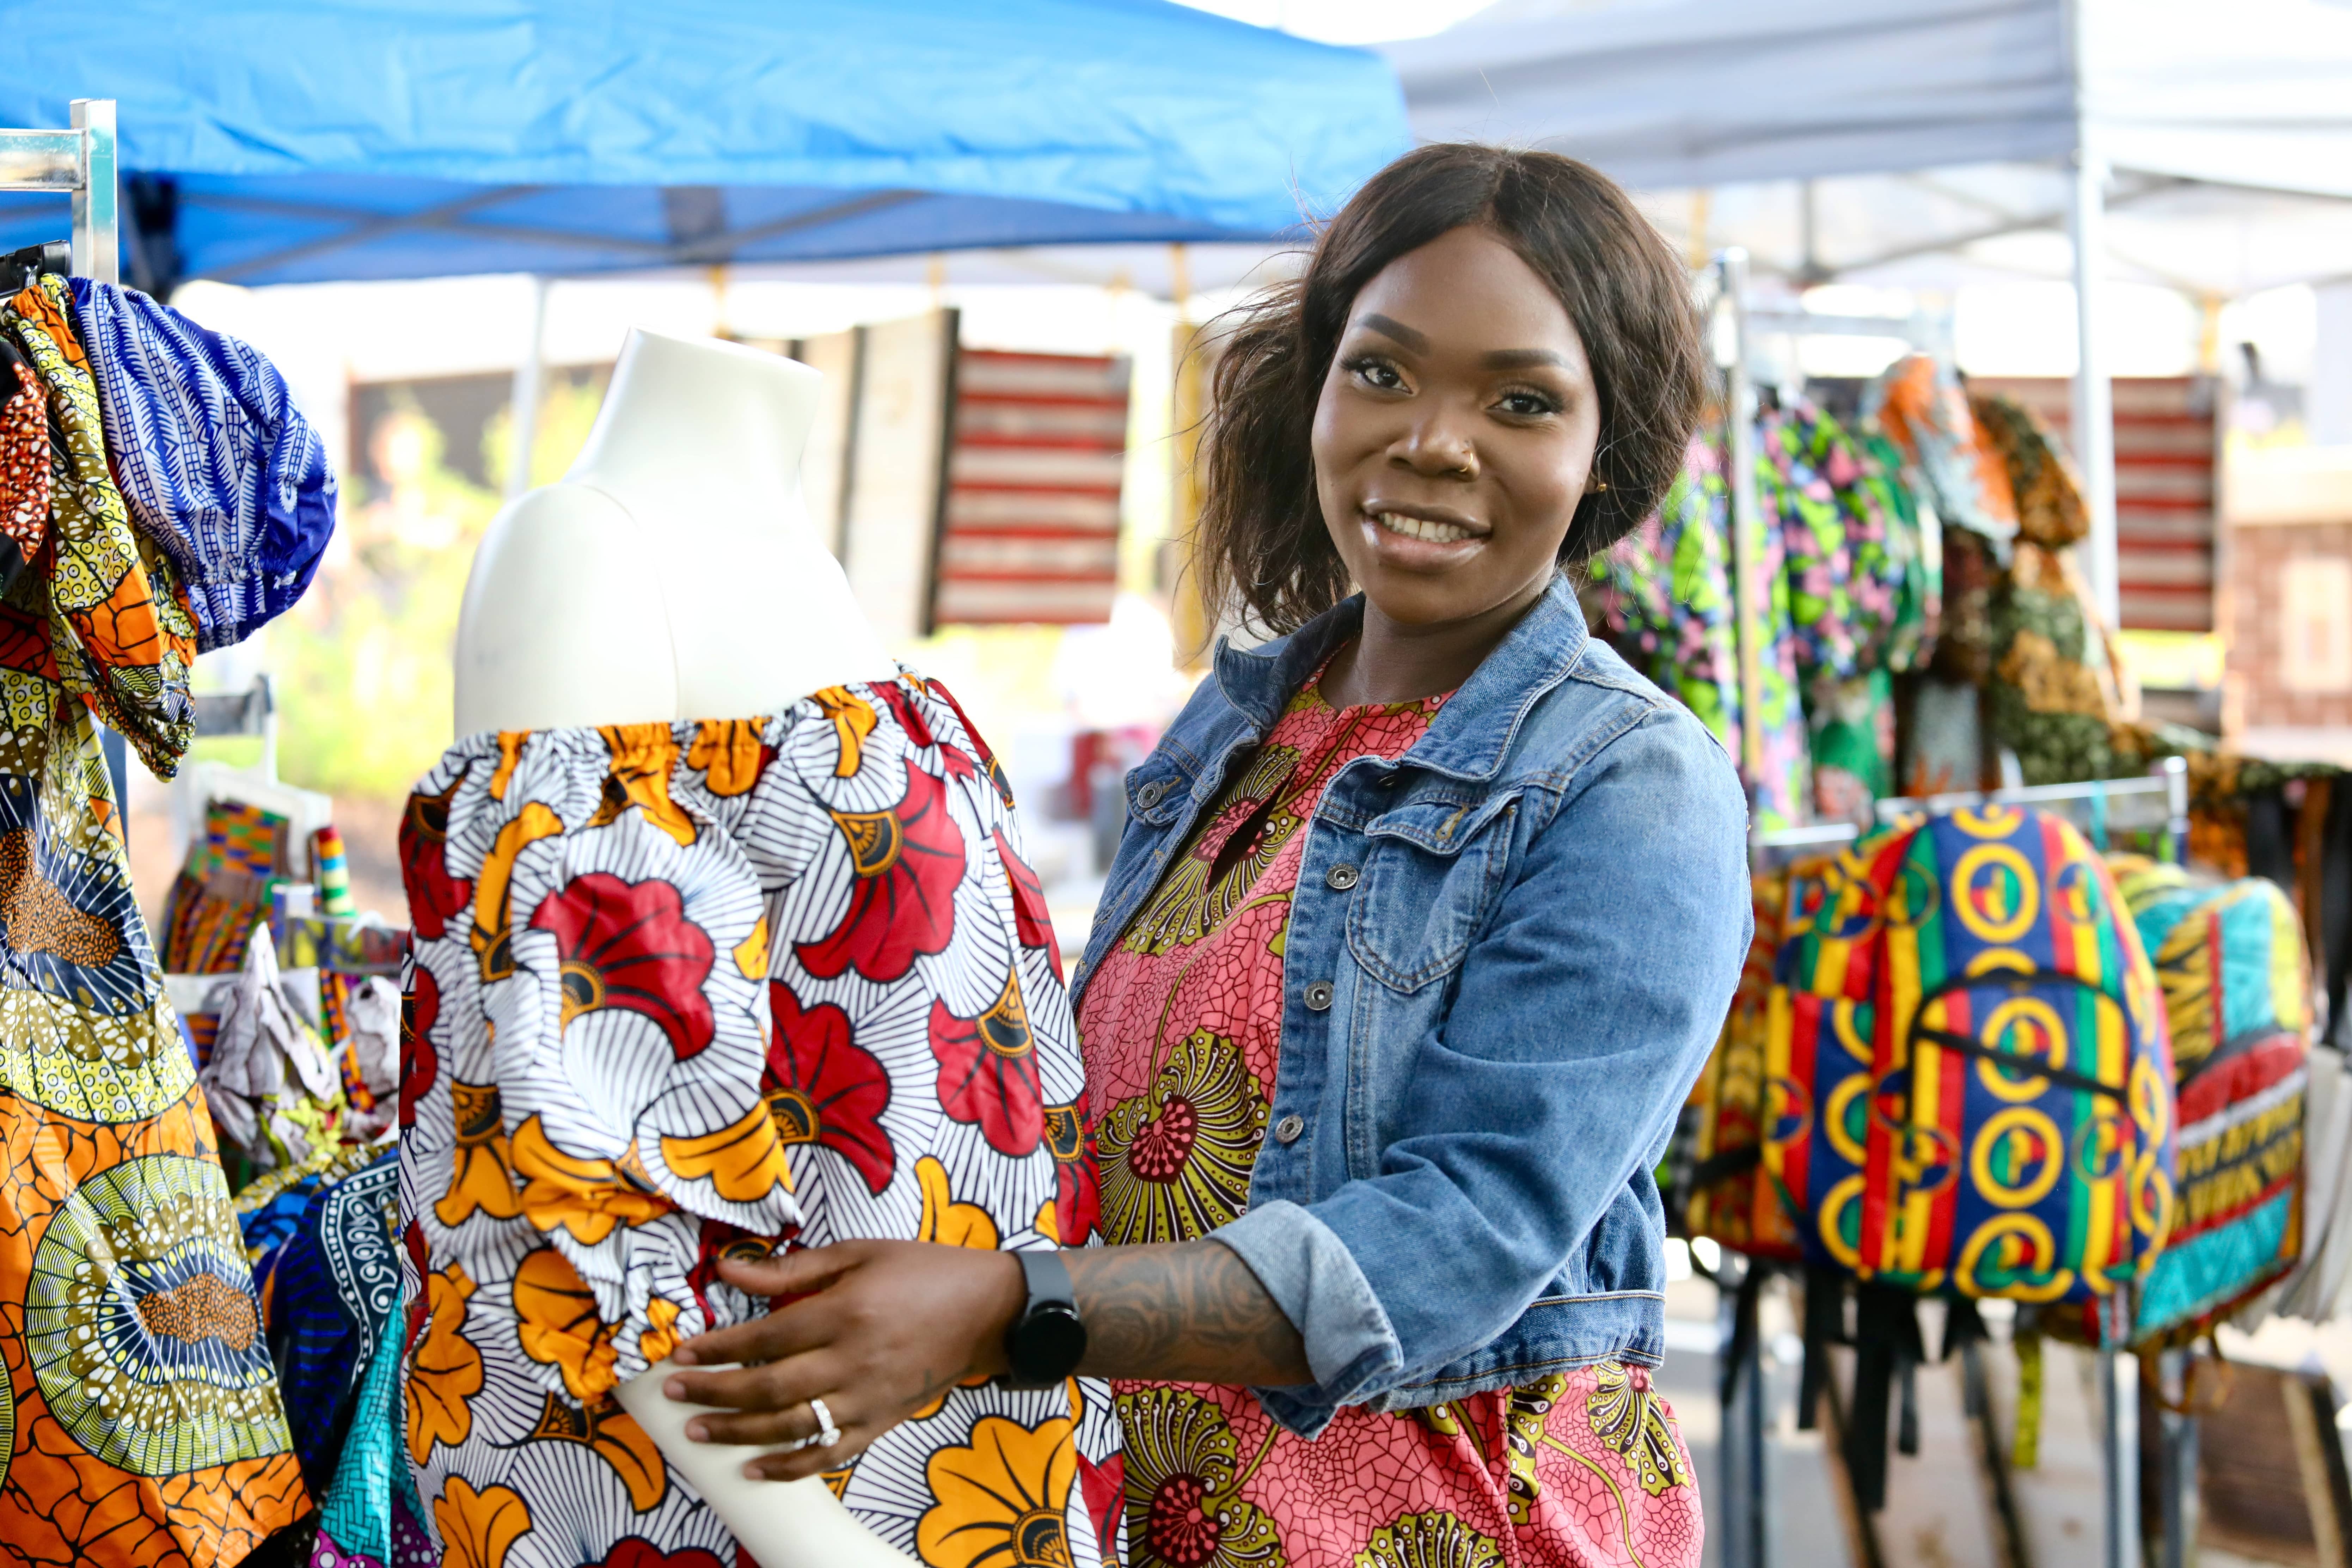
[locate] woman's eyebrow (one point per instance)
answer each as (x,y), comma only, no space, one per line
(1519,359)
(1388,327)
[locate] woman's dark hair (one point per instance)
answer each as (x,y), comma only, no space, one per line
(1262,540)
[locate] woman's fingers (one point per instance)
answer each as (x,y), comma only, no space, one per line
(779,1413)
(816,1461)
(793,1273)
(776,1353)
(783,1274)
(800,1326)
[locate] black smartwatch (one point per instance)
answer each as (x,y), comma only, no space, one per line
(1046,1341)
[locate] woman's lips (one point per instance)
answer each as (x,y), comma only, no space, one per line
(1412,541)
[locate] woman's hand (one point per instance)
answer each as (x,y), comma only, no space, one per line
(891,1327)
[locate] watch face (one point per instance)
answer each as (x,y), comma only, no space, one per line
(1049,1344)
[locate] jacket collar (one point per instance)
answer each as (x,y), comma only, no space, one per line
(1472,732)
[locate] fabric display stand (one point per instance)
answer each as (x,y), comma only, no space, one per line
(160,496)
(1881,616)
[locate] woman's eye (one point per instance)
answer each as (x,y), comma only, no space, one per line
(1377,373)
(1527,405)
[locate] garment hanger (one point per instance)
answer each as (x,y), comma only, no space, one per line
(19,268)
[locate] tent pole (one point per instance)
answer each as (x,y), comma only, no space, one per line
(523,432)
(1748,595)
(2093,411)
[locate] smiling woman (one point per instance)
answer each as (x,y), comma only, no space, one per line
(1425,917)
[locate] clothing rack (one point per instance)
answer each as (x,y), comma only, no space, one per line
(80,161)
(1736,323)
(2165,790)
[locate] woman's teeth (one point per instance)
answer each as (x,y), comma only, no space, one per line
(1421,527)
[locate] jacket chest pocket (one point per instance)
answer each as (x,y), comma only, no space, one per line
(1432,870)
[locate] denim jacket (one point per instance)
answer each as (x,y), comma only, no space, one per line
(1509,953)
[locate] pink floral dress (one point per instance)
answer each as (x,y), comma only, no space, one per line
(1180,1029)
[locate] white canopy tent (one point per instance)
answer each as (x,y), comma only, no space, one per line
(2031,114)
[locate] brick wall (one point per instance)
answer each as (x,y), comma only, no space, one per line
(2257,560)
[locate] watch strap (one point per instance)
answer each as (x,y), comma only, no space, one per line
(1048,1279)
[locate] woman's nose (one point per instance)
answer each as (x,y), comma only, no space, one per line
(1437,449)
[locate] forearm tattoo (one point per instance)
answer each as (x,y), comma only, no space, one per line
(1191,1312)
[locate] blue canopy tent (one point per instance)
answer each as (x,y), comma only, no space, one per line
(301,140)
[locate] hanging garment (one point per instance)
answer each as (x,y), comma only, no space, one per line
(355,1521)
(1920,404)
(1728,1195)
(333,1292)
(1181,1030)
(1915,545)
(783,977)
(2053,697)
(270,1207)
(275,1095)
(1668,607)
(2041,478)
(2057,689)
(1671,613)
(1833,507)
(24,462)
(146,1426)
(1852,725)
(2315,1292)
(218,467)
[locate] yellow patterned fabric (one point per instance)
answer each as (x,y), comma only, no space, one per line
(144,1419)
(692,992)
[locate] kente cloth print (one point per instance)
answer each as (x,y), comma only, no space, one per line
(1182,1029)
(141,1422)
(682,991)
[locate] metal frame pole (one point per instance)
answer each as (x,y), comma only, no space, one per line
(2094,410)
(1739,453)
(2119,1433)
(97,199)
(523,420)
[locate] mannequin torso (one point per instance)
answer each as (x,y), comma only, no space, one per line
(673,575)
(673,572)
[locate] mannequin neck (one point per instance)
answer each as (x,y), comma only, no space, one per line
(690,425)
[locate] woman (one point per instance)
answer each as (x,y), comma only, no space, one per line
(1425,918)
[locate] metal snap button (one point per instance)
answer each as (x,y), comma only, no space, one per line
(1342,878)
(1318,996)
(1287,1130)
(1151,794)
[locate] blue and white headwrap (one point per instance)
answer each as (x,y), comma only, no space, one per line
(219,468)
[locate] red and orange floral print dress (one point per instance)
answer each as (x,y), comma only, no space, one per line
(680,991)
(1180,1027)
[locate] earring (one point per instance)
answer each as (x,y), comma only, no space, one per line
(1598,488)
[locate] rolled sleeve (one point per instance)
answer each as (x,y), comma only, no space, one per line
(1319,1287)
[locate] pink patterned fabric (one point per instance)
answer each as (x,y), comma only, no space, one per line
(1181,1028)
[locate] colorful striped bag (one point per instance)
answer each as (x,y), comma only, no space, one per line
(2237,991)
(2012,1134)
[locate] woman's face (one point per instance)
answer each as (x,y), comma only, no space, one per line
(1456,432)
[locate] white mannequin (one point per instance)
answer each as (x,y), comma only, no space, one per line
(679,531)
(672,574)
